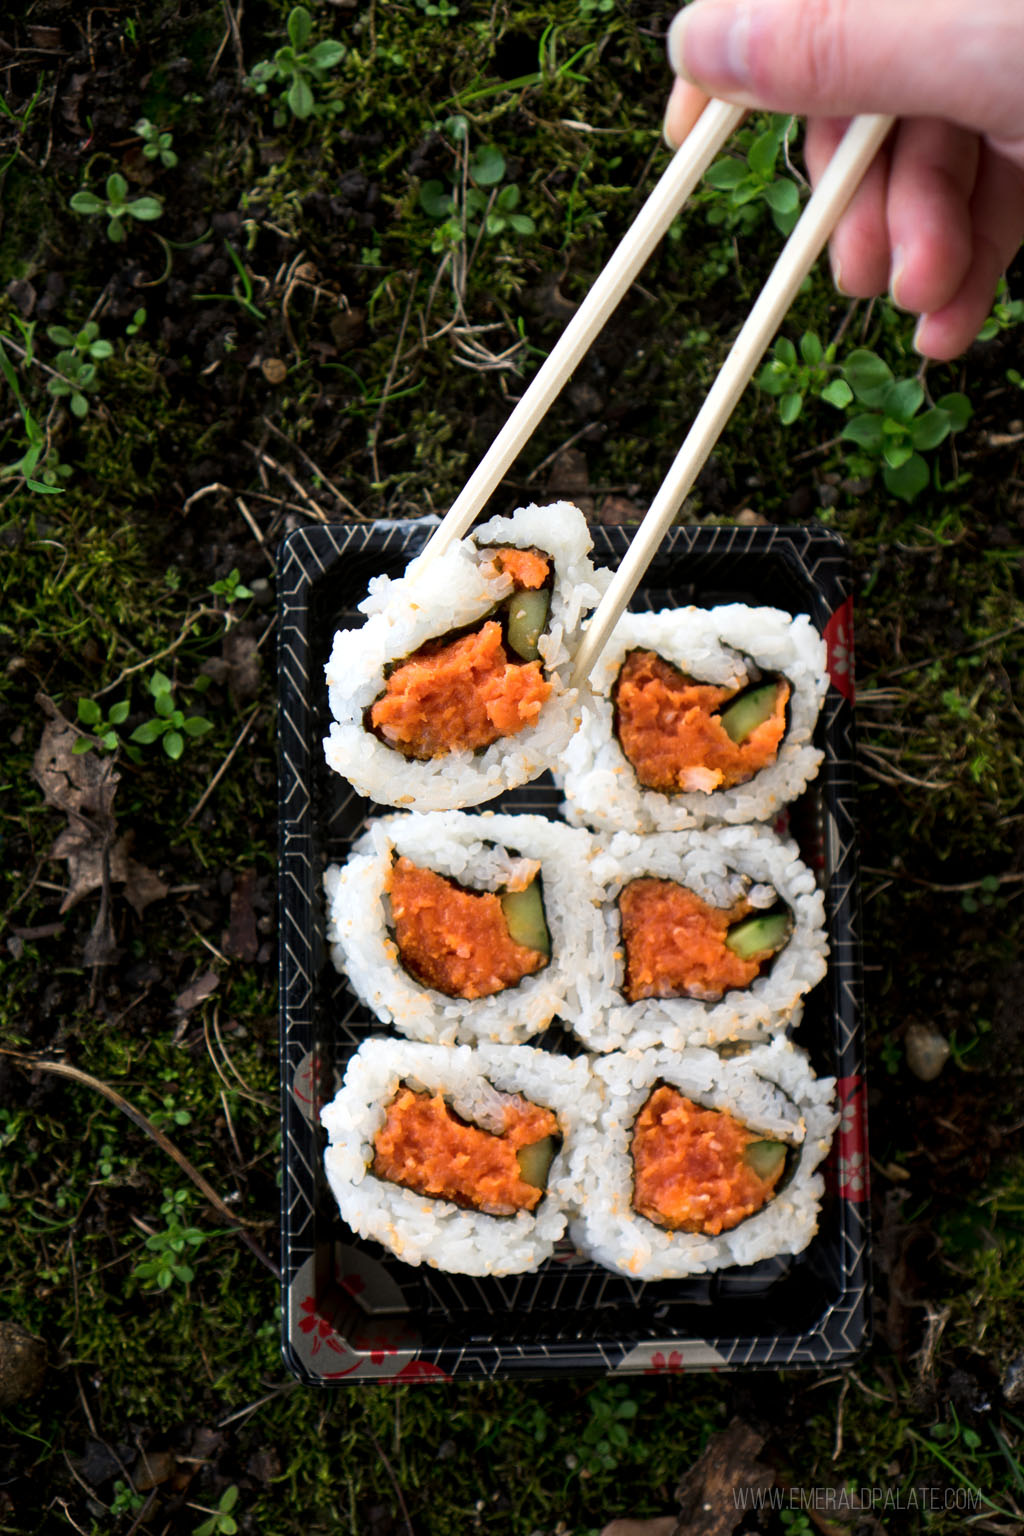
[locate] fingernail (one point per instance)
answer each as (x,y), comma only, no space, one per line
(707,44)
(918,333)
(837,275)
(896,276)
(678,91)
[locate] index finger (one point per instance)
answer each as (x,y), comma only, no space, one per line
(685,105)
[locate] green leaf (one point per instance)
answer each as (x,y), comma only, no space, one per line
(811,349)
(101,349)
(119,712)
(785,352)
(959,410)
(930,429)
(487,166)
(117,188)
(89,712)
(325,55)
(867,375)
(87,202)
(790,407)
(146,208)
(300,25)
(903,399)
(195,725)
(838,393)
(762,154)
(300,98)
(896,454)
(79,405)
(726,174)
(83,744)
(522,223)
(115,231)
(909,480)
(148,731)
(507,198)
(435,201)
(864,430)
(782,196)
(160,683)
(174,744)
(60,335)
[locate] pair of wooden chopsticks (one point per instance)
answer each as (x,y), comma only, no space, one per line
(862,140)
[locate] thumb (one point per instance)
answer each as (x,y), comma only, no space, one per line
(937,58)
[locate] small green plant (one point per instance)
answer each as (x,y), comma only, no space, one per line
(76,363)
(221,1521)
(441,8)
(485,208)
(891,430)
(170,725)
(230,587)
(298,69)
(245,298)
(125,1501)
(792,375)
(156,143)
(118,207)
(102,728)
(607,1434)
(34,466)
(1006,313)
(136,323)
(751,182)
(170,1249)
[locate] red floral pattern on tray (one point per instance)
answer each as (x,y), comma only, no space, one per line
(848,1164)
(839,640)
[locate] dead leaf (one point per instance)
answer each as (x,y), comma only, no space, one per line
(241,942)
(710,1501)
(662,1525)
(197,991)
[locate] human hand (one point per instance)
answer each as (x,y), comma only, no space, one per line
(940,214)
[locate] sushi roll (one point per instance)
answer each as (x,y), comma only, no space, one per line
(460,1158)
(457,686)
(697,715)
(696,1163)
(461,927)
(709,936)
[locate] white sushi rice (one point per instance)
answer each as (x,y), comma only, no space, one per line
(711,645)
(771,1089)
(485,852)
(431,600)
(423,1229)
(718,865)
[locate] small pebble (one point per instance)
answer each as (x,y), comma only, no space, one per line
(927,1051)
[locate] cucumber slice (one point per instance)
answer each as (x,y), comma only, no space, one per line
(765,1158)
(527,616)
(747,712)
(535,1161)
(766,931)
(524,914)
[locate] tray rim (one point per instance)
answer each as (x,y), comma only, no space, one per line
(314,1344)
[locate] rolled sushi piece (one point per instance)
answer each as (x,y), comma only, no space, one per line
(696,1163)
(457,686)
(464,927)
(709,936)
(458,1157)
(697,715)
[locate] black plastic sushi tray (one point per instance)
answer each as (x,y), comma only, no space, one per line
(352,1312)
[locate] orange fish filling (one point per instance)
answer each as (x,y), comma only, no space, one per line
(458,695)
(670,732)
(689,1172)
(528,568)
(425,1147)
(675,943)
(454,940)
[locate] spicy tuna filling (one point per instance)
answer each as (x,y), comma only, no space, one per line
(690,1172)
(425,1147)
(454,940)
(675,943)
(670,730)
